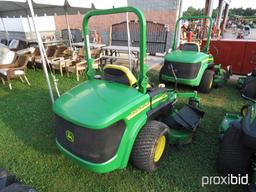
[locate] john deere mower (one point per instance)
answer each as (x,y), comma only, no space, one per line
(244,81)
(113,118)
(190,65)
(238,135)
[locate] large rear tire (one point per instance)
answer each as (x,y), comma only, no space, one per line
(206,81)
(151,146)
(234,157)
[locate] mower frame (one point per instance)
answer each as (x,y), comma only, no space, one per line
(115,102)
(177,25)
(90,72)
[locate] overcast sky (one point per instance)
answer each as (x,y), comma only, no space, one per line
(234,3)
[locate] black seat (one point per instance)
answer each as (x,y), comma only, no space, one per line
(191,46)
(119,74)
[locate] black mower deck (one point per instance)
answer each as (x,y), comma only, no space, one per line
(187,118)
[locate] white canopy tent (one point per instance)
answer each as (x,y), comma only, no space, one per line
(50,7)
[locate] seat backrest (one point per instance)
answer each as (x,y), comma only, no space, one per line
(14,44)
(36,52)
(7,56)
(81,52)
(51,50)
(119,74)
(22,61)
(95,53)
(60,50)
(190,46)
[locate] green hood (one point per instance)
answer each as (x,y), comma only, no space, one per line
(97,103)
(186,56)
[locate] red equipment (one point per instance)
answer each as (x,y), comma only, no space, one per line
(240,54)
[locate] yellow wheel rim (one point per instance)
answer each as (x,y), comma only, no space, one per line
(244,111)
(160,145)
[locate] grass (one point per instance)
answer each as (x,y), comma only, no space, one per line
(27,145)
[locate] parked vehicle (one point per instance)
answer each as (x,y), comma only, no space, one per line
(238,135)
(191,65)
(108,120)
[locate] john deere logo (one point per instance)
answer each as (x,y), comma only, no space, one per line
(70,136)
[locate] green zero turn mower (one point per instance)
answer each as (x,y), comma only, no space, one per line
(189,65)
(113,118)
(238,140)
(244,81)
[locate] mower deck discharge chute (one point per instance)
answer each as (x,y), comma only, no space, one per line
(113,118)
(192,66)
(238,134)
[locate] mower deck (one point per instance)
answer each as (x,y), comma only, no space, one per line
(183,124)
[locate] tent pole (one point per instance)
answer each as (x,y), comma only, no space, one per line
(40,44)
(69,32)
(129,41)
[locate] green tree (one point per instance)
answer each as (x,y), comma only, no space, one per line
(191,11)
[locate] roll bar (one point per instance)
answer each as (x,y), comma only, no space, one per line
(90,72)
